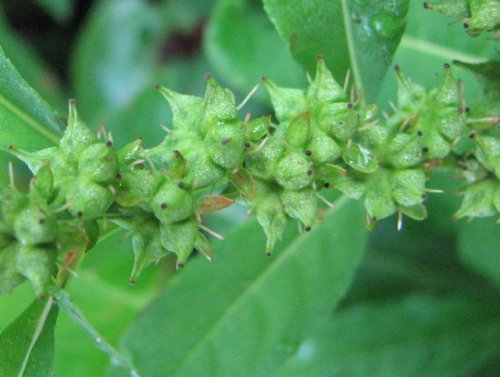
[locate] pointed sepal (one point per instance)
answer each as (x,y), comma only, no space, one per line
(287,103)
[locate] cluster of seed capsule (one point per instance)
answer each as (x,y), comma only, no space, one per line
(323,138)
(477,16)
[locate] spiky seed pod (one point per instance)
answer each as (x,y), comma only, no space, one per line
(322,139)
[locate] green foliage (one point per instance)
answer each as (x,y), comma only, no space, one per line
(249,290)
(400,338)
(28,343)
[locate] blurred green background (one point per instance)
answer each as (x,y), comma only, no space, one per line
(425,297)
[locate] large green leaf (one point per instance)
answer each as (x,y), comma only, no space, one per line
(479,247)
(243,45)
(245,314)
(26,121)
(416,336)
(72,311)
(27,345)
(362,35)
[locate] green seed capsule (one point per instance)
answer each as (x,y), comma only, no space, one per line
(452,8)
(298,132)
(449,94)
(294,171)
(43,183)
(224,144)
(38,265)
(403,151)
(187,110)
(180,238)
(301,205)
(481,199)
(35,225)
(88,200)
(323,148)
(98,163)
(171,203)
(204,172)
(409,187)
(338,120)
(488,153)
(270,215)
(324,88)
(435,146)
(262,164)
(287,103)
(138,185)
(485,16)
(77,136)
(12,202)
(379,201)
(411,97)
(219,106)
(147,249)
(374,136)
(9,277)
(75,237)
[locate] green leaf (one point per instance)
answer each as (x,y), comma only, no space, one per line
(25,119)
(246,309)
(416,336)
(243,45)
(362,35)
(478,245)
(63,300)
(28,343)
